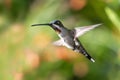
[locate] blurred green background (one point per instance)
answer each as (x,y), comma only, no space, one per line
(26,52)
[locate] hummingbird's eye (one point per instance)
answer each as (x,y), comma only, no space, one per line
(58,22)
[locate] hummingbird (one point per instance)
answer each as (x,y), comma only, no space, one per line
(69,37)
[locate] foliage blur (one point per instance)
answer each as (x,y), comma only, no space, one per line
(26,52)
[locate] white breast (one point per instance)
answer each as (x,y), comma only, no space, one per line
(64,43)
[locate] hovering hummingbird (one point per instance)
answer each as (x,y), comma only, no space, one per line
(69,38)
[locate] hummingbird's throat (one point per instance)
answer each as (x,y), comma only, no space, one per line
(57,30)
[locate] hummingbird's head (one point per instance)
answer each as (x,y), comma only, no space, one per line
(56,25)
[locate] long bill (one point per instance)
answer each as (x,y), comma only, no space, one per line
(40,24)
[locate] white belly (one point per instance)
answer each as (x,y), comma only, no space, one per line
(68,46)
(65,43)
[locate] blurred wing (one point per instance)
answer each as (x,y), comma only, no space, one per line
(58,43)
(82,30)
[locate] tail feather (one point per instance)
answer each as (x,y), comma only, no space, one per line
(80,49)
(90,58)
(87,55)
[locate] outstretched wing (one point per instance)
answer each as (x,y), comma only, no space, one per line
(82,30)
(58,43)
